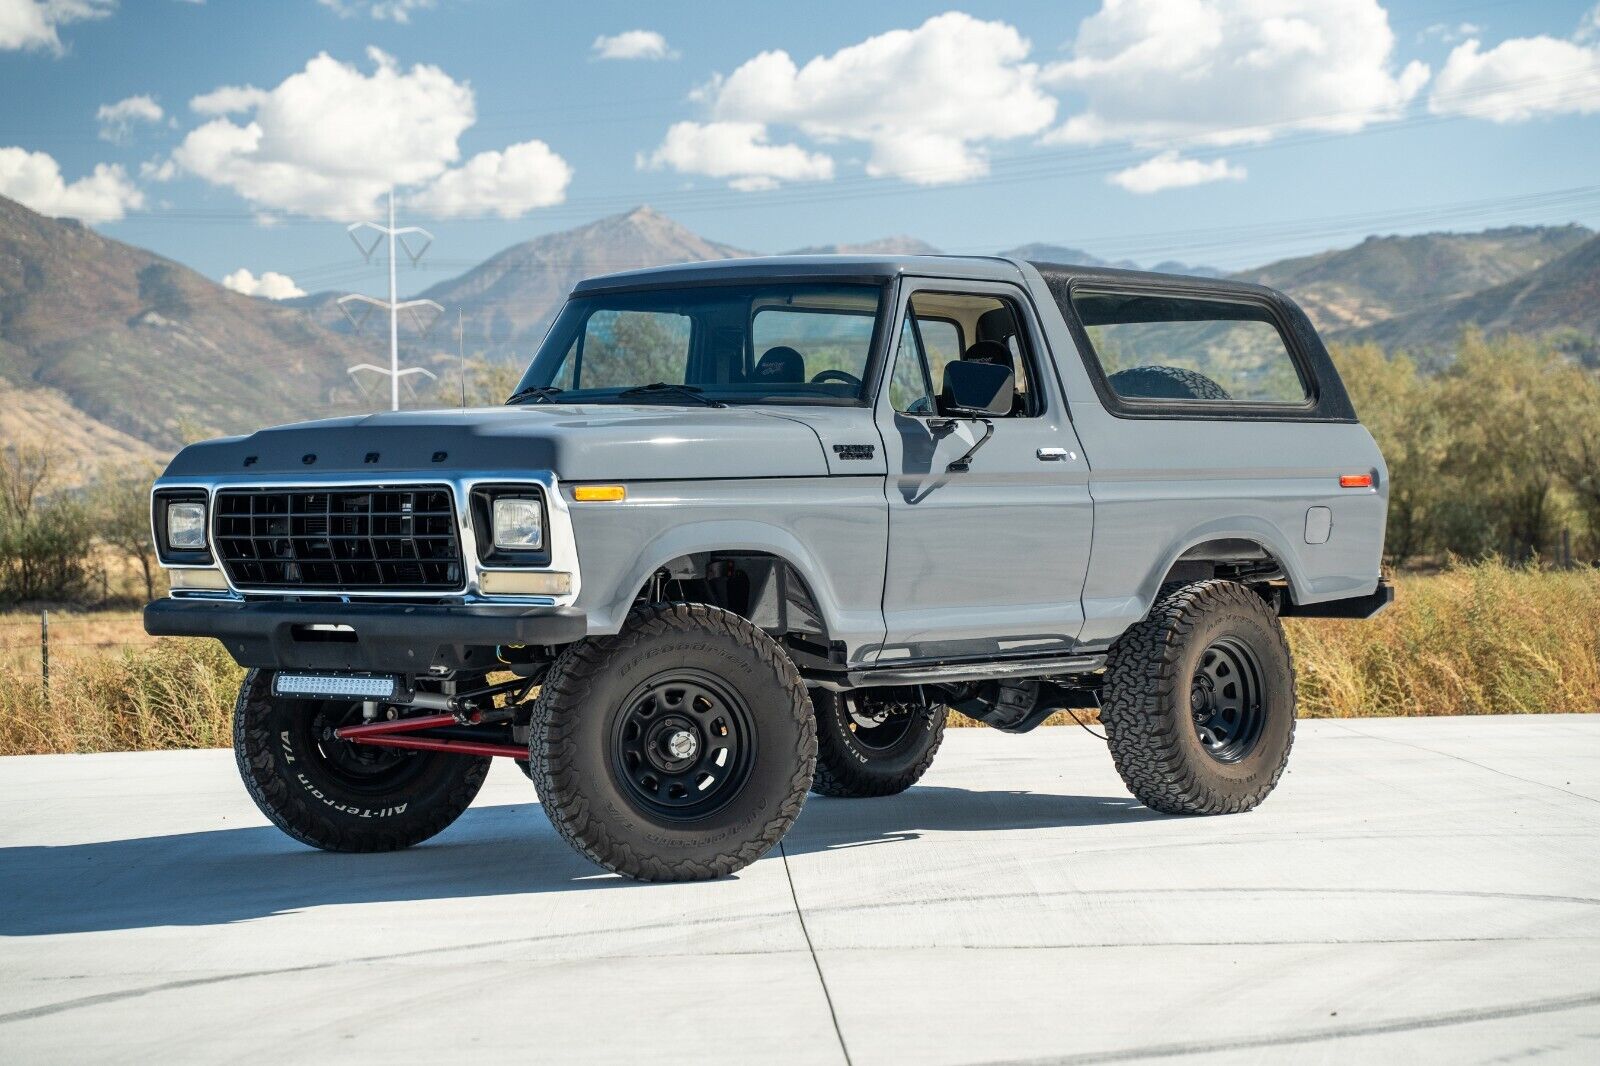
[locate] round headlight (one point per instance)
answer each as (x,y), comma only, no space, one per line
(186,526)
(518,523)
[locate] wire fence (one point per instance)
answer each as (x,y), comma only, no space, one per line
(36,639)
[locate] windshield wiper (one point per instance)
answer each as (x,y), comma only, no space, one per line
(667,388)
(538,393)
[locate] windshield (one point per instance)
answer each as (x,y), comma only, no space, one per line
(758,343)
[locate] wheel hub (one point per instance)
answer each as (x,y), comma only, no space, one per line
(355,766)
(877,723)
(1225,700)
(682,745)
(672,744)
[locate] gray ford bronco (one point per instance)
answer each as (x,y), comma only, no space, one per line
(751,528)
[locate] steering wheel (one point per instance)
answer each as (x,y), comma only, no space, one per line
(823,376)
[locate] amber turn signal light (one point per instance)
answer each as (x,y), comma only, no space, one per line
(1355,481)
(599,493)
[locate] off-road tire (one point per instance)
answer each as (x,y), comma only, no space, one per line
(848,769)
(273,748)
(1166,383)
(1146,701)
(572,746)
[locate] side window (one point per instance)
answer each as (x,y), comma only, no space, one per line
(1158,347)
(955,326)
(909,389)
(941,339)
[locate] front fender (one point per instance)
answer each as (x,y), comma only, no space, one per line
(832,531)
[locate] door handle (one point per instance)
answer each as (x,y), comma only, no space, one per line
(1054,455)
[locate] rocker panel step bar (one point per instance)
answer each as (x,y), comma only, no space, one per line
(937,673)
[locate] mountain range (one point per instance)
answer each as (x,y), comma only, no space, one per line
(132,353)
(109,345)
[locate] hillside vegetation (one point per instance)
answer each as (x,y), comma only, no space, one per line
(147,346)
(1384,277)
(1559,302)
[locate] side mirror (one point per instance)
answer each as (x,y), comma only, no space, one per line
(976,390)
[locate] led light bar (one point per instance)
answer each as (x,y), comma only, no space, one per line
(334,686)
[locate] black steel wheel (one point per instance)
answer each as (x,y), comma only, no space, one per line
(1225,700)
(335,794)
(679,749)
(683,744)
(1199,702)
(874,742)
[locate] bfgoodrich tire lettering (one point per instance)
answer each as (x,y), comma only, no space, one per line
(390,799)
(599,708)
(852,763)
(1156,705)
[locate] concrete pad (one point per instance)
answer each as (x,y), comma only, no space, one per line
(1422,888)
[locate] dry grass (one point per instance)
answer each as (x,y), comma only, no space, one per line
(1476,639)
(1480,639)
(167,694)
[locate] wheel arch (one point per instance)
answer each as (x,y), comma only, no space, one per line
(1241,547)
(785,589)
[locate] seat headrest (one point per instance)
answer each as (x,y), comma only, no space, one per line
(996,325)
(781,365)
(992,352)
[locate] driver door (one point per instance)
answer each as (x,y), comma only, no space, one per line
(990,560)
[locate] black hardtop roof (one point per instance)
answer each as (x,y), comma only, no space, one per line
(869,267)
(1061,274)
(841,267)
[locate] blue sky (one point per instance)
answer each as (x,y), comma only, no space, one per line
(233,135)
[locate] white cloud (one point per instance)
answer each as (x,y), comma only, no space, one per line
(329,139)
(927,101)
(508,183)
(1523,78)
(1450,34)
(271,285)
(1589,27)
(228,100)
(116,120)
(737,152)
(32,24)
(158,170)
(633,44)
(1230,71)
(34,180)
(1169,170)
(382,10)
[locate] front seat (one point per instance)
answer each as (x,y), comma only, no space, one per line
(781,365)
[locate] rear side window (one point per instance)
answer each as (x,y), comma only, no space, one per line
(1164,348)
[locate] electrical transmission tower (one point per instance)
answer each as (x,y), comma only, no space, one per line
(394,305)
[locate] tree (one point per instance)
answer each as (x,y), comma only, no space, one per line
(1399,408)
(119,503)
(488,384)
(1509,402)
(44,536)
(1578,462)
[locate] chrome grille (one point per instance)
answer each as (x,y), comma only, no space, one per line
(365,539)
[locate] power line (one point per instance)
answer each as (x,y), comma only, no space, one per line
(394,305)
